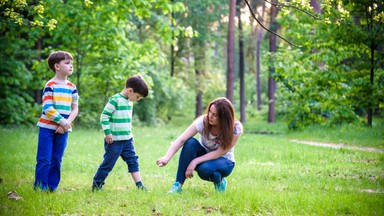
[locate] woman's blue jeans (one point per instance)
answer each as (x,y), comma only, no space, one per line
(213,170)
(50,152)
(124,149)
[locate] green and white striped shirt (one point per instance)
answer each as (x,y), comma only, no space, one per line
(116,118)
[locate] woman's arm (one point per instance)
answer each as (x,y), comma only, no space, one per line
(176,145)
(209,156)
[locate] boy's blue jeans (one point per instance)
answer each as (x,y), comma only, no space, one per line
(126,150)
(50,152)
(213,170)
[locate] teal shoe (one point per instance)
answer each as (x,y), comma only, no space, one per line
(176,188)
(221,186)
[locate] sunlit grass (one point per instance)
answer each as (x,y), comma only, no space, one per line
(273,176)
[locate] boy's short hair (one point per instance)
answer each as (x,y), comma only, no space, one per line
(56,57)
(138,85)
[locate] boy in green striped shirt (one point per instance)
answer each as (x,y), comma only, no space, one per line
(116,121)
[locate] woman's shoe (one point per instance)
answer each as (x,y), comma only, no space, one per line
(221,186)
(176,188)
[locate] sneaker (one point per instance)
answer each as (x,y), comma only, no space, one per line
(142,187)
(97,186)
(176,188)
(221,186)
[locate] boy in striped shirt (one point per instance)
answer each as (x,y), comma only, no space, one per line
(59,109)
(116,121)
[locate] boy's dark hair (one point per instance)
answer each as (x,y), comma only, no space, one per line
(138,85)
(56,57)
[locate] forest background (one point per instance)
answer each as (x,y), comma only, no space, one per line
(323,65)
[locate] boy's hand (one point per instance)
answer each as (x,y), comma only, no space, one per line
(67,126)
(109,138)
(60,130)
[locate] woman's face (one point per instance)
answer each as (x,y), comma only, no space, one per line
(213,115)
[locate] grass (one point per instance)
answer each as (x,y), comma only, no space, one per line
(273,176)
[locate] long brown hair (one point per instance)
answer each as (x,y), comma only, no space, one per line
(226,115)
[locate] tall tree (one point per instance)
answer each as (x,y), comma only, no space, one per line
(231,50)
(172,57)
(258,47)
(203,20)
(271,79)
(241,63)
(200,64)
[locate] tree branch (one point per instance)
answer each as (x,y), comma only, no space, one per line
(292,6)
(272,32)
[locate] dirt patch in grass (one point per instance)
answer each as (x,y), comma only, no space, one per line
(337,145)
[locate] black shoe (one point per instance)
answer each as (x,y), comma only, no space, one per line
(96,186)
(142,187)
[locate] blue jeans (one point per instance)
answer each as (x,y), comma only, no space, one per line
(50,152)
(213,170)
(123,148)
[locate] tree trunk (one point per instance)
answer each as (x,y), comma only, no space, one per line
(372,73)
(199,64)
(271,80)
(172,47)
(37,92)
(199,103)
(315,5)
(231,50)
(241,64)
(258,45)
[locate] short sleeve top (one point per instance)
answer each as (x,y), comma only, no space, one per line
(213,142)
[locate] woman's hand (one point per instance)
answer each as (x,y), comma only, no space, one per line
(190,169)
(162,162)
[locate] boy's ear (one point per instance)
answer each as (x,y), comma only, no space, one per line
(130,90)
(56,66)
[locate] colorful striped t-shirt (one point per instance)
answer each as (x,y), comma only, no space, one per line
(116,118)
(58,99)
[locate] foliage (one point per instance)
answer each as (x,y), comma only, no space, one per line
(110,41)
(327,80)
(200,50)
(21,24)
(170,97)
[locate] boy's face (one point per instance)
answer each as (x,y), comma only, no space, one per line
(133,96)
(64,67)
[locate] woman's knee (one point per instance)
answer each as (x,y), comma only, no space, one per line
(191,143)
(204,171)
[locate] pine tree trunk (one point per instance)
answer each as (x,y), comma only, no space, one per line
(258,45)
(271,80)
(199,64)
(241,65)
(231,50)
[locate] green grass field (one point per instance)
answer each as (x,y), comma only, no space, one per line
(273,175)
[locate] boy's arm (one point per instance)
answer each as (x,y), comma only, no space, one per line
(49,109)
(74,112)
(106,115)
(72,116)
